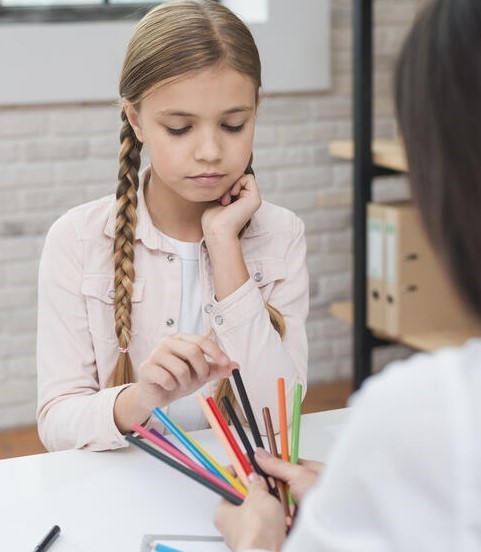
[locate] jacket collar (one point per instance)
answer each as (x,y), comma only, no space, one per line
(145,230)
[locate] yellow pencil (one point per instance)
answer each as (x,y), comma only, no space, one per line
(232,480)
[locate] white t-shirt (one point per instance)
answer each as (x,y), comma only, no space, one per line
(405,475)
(186,411)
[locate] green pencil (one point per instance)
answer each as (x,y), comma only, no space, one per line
(296,424)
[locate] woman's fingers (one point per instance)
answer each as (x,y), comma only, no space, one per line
(312,465)
(298,477)
(275,466)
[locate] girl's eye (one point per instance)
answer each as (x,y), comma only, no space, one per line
(178,131)
(230,128)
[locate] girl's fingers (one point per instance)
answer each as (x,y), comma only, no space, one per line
(182,358)
(171,363)
(207,346)
(226,199)
(153,373)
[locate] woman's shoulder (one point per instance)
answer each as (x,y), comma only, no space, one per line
(400,397)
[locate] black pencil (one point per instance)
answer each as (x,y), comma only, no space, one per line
(247,444)
(186,471)
(247,408)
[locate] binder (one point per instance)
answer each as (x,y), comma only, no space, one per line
(375,267)
(418,294)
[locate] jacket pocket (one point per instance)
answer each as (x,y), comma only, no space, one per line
(266,272)
(98,292)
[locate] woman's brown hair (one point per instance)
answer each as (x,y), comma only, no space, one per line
(172,40)
(438,101)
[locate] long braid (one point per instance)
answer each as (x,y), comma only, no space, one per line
(125,224)
(224,388)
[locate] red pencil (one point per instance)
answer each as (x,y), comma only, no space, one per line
(227,432)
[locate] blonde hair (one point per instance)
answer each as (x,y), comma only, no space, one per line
(170,41)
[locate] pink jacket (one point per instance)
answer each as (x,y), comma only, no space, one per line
(76,343)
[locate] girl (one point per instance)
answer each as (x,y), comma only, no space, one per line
(404,475)
(148,297)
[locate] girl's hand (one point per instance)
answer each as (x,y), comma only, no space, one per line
(299,477)
(235,208)
(179,366)
(258,523)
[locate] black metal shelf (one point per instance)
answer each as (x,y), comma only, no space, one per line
(364,172)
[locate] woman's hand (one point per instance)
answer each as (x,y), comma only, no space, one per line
(258,523)
(179,366)
(298,477)
(235,208)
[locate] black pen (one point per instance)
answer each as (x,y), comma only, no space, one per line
(48,539)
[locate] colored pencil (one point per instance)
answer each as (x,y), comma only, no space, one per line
(230,478)
(296,423)
(179,455)
(228,433)
(247,408)
(281,397)
(162,438)
(281,486)
(232,496)
(163,548)
(247,444)
(188,444)
(241,474)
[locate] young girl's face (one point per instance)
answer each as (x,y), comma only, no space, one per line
(199,132)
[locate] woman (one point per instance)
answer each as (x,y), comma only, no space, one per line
(405,475)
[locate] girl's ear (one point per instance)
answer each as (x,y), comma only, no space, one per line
(260,99)
(133,117)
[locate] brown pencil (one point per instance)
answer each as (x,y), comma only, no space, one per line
(281,486)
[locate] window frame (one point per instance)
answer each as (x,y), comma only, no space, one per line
(75,13)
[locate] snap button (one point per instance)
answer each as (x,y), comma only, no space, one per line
(258,276)
(170,257)
(208,308)
(219,320)
(169,322)
(111,294)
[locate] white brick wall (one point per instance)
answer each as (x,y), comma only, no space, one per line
(52,158)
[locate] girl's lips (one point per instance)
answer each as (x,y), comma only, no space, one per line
(207,179)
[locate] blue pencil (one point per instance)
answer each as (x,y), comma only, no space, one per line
(164,548)
(188,444)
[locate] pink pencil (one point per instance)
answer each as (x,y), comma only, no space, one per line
(241,474)
(178,455)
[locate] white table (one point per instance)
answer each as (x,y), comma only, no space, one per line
(107,501)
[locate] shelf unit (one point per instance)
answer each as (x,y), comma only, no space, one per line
(425,341)
(372,158)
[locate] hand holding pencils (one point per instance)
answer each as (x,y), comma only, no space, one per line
(202,467)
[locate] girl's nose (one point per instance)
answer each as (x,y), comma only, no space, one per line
(208,148)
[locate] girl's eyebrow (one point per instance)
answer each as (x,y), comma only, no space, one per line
(174,113)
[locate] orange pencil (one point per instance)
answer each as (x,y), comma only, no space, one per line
(281,396)
(223,439)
